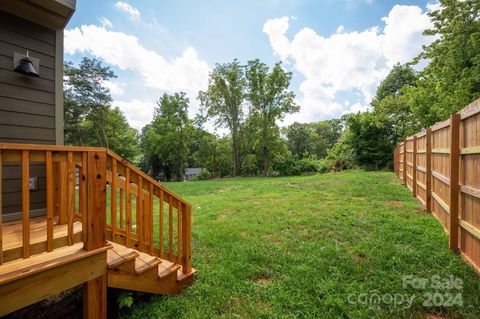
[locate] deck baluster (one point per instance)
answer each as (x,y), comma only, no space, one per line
(128,208)
(113,198)
(160,224)
(49,173)
(1,208)
(70,195)
(26,203)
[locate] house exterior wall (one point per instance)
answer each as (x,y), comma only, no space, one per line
(31,109)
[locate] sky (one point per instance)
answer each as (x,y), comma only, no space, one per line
(337,50)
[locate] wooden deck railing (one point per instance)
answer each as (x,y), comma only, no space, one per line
(145,215)
(81,184)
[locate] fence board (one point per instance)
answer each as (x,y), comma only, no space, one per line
(441,166)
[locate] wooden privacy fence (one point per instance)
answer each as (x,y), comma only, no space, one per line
(441,166)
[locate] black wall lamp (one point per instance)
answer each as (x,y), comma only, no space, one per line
(24,64)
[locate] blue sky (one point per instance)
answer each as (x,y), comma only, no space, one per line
(338,50)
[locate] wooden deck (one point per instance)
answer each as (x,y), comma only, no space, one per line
(12,237)
(144,244)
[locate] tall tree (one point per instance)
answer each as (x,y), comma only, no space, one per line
(167,137)
(223,100)
(86,96)
(451,79)
(391,105)
(89,116)
(270,100)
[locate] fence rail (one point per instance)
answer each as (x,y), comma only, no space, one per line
(441,166)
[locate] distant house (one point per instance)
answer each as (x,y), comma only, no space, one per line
(191,173)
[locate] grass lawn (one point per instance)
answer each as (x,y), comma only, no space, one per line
(320,246)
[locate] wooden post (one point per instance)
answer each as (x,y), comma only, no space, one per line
(26,203)
(49,173)
(1,208)
(187,238)
(95,290)
(414,168)
(454,179)
(405,162)
(395,160)
(60,192)
(428,177)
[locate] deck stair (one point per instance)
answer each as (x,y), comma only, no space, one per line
(133,270)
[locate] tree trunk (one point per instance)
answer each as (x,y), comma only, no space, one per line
(234,155)
(265,160)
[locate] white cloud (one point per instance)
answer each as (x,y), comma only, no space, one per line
(105,22)
(115,88)
(347,62)
(125,7)
(186,73)
(137,112)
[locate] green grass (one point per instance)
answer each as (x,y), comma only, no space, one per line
(300,247)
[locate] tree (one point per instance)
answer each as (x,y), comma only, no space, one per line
(88,114)
(223,101)
(391,104)
(369,140)
(270,100)
(451,79)
(86,97)
(166,139)
(122,138)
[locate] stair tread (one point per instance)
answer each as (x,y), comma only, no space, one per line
(182,276)
(166,268)
(142,266)
(120,254)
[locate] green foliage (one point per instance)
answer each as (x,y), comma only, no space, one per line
(89,118)
(306,139)
(341,156)
(451,79)
(204,174)
(249,165)
(223,101)
(125,299)
(270,100)
(306,165)
(166,139)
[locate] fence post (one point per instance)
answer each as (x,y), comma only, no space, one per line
(428,177)
(95,290)
(414,168)
(405,162)
(454,179)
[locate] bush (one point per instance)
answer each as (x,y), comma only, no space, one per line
(204,174)
(284,165)
(306,165)
(249,165)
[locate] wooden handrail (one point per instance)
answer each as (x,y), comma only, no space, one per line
(140,191)
(76,180)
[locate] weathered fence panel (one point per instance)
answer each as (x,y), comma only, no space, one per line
(441,166)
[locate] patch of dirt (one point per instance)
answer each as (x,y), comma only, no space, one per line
(392,204)
(421,211)
(221,218)
(359,256)
(430,316)
(262,280)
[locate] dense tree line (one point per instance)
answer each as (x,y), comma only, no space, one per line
(249,99)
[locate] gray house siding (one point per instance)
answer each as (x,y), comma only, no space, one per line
(27,104)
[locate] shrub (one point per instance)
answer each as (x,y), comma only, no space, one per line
(204,174)
(249,165)
(284,165)
(306,165)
